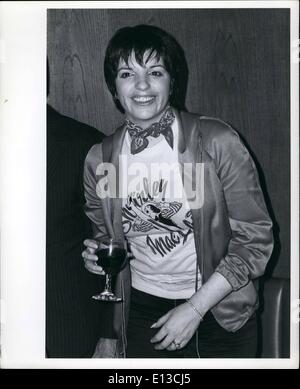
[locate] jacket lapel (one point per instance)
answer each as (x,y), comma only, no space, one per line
(116,203)
(190,151)
(123,281)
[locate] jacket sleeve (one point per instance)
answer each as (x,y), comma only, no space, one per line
(93,207)
(251,242)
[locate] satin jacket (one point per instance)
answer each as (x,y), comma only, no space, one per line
(232,229)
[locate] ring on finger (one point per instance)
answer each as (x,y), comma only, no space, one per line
(176,344)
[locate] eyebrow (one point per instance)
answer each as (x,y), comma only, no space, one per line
(158,65)
(151,67)
(124,68)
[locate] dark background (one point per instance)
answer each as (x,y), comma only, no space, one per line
(238,63)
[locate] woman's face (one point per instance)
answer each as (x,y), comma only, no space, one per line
(143,91)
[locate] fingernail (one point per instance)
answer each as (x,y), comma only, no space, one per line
(153,325)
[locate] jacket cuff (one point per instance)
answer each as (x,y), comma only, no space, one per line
(236,281)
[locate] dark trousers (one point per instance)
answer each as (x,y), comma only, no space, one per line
(212,340)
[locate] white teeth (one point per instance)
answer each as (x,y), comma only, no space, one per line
(143,99)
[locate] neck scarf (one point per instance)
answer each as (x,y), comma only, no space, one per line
(139,136)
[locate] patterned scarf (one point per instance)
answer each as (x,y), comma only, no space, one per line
(139,136)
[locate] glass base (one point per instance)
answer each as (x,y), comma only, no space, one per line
(107,296)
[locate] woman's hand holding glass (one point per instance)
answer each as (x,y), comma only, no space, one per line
(112,255)
(90,258)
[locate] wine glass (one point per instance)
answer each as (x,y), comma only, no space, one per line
(111,257)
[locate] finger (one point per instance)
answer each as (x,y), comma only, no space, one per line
(159,336)
(90,266)
(93,244)
(165,343)
(172,347)
(162,320)
(177,345)
(94,270)
(90,250)
(90,257)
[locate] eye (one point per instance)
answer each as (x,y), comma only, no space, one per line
(156,73)
(125,74)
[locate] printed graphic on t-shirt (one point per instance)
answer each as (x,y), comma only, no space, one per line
(164,223)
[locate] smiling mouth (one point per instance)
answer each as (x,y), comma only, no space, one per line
(143,99)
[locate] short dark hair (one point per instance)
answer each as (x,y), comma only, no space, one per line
(139,39)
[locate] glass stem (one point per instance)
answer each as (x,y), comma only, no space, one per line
(108,283)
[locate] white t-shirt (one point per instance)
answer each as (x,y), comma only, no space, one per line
(157,220)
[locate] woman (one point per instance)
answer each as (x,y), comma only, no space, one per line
(196,253)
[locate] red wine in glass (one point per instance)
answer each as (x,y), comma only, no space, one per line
(112,258)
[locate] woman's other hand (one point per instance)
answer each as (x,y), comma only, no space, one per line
(176,328)
(90,258)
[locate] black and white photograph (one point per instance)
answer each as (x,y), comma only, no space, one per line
(157,215)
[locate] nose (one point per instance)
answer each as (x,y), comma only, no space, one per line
(142,82)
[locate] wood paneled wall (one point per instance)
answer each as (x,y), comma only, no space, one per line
(238,71)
